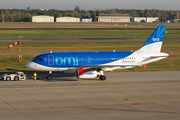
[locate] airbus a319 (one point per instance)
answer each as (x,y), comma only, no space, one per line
(93,64)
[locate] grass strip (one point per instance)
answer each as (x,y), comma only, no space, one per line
(9,57)
(81,33)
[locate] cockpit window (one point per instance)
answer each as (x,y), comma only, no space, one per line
(37,59)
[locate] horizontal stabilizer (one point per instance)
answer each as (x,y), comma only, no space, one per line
(163,56)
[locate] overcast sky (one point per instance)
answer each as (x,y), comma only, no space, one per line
(91,4)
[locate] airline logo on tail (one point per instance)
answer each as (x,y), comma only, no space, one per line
(155,39)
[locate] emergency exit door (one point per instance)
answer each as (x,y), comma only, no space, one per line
(51,60)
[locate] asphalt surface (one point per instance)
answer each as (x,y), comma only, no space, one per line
(113,39)
(123,96)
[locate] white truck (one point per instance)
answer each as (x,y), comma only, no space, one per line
(18,76)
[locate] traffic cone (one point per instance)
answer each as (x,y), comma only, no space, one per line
(20,57)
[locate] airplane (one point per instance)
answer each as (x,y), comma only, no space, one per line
(89,65)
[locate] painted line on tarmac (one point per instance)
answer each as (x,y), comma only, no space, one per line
(95,106)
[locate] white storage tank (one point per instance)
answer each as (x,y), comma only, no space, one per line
(42,18)
(67,19)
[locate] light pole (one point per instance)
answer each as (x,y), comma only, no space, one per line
(2,16)
(177,15)
(94,14)
(20,54)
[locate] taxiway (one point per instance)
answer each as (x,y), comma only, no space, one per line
(123,96)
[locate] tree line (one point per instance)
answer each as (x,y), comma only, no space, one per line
(19,15)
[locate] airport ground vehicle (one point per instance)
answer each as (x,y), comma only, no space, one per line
(18,76)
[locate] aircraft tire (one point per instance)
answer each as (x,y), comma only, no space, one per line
(16,78)
(102,77)
(49,77)
(8,78)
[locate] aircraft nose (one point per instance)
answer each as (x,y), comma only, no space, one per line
(30,65)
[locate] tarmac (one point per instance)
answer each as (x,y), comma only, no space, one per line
(123,96)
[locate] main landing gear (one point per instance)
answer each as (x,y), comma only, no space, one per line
(49,76)
(102,76)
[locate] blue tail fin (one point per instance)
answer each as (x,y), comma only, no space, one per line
(154,43)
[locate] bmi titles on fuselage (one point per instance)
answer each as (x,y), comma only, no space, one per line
(66,61)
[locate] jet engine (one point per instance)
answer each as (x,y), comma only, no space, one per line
(86,73)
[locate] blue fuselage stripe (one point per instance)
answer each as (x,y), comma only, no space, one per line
(76,59)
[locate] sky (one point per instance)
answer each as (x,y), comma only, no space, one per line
(91,4)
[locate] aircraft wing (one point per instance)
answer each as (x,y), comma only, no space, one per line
(97,66)
(106,67)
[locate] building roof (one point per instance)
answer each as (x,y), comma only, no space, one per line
(68,17)
(114,15)
(42,16)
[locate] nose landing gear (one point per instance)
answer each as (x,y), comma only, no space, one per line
(49,76)
(102,76)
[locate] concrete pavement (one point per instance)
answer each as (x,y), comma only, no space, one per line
(123,96)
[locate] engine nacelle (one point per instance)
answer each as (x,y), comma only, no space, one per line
(86,73)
